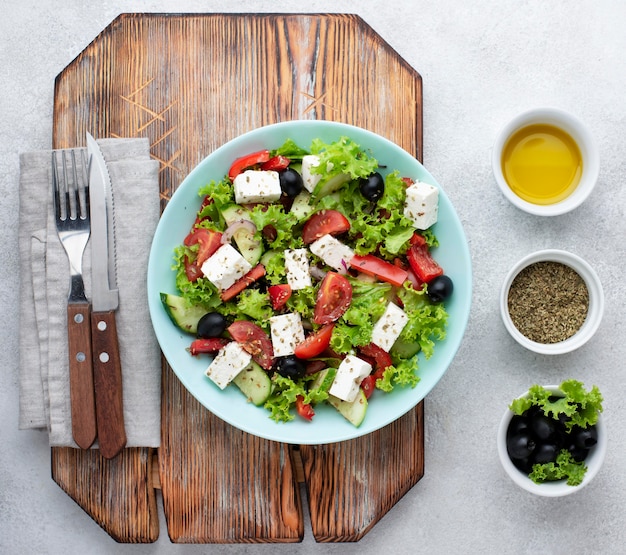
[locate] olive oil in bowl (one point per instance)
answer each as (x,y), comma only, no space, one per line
(542,163)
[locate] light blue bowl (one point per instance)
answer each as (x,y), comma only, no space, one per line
(328,426)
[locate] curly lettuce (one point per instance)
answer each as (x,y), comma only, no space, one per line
(581,407)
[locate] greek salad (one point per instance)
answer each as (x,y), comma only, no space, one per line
(308,277)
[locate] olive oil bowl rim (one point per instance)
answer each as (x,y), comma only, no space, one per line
(559,488)
(585,141)
(594,313)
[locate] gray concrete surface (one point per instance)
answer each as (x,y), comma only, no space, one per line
(482,62)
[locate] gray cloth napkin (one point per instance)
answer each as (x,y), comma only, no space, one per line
(44,270)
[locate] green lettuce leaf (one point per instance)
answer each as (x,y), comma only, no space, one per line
(427,321)
(256,305)
(290,150)
(580,406)
(565,467)
(223,195)
(274,215)
(343,156)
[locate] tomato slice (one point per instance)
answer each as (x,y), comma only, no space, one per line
(380,357)
(208,242)
(417,239)
(324,222)
(254,340)
(315,343)
(368,385)
(379,268)
(248,161)
(279,295)
(305,410)
(276,163)
(253,275)
(422,263)
(208,345)
(333,298)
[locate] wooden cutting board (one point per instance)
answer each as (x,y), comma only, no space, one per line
(191,83)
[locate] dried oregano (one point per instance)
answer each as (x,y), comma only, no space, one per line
(548,302)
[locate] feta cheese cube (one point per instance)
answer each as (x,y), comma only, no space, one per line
(350,374)
(229,361)
(287,332)
(225,266)
(333,252)
(256,186)
(389,326)
(297,268)
(421,204)
(310,179)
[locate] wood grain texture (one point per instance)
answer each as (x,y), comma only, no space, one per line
(351,485)
(82,396)
(107,378)
(191,83)
(219,484)
(117,493)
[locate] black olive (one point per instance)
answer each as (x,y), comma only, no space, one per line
(585,438)
(439,288)
(290,367)
(545,453)
(212,324)
(290,182)
(578,454)
(525,464)
(517,425)
(520,446)
(372,187)
(544,427)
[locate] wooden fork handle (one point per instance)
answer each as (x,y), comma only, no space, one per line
(82,397)
(107,371)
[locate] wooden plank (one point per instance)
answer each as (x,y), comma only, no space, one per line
(351,485)
(117,493)
(191,83)
(221,485)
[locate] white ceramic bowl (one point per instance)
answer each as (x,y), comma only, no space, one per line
(594,313)
(588,149)
(559,488)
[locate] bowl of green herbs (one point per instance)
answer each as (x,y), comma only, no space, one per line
(552,439)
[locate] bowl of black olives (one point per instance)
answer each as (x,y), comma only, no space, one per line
(552,439)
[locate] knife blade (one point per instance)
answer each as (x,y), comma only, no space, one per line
(107,367)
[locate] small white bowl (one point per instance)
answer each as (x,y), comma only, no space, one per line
(559,488)
(594,313)
(588,149)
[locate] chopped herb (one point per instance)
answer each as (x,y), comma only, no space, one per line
(548,302)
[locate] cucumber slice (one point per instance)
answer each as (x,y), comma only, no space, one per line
(301,206)
(405,349)
(248,246)
(184,316)
(254,383)
(324,379)
(330,185)
(354,411)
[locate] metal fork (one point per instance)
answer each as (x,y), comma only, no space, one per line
(71,208)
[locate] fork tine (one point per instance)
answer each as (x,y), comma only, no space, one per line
(69,177)
(60,205)
(84,189)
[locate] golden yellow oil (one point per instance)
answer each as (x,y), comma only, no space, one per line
(542,163)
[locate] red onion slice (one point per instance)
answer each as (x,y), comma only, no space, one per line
(236,226)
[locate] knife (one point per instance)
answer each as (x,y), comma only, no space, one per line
(107,369)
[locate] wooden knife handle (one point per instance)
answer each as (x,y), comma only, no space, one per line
(107,372)
(82,397)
